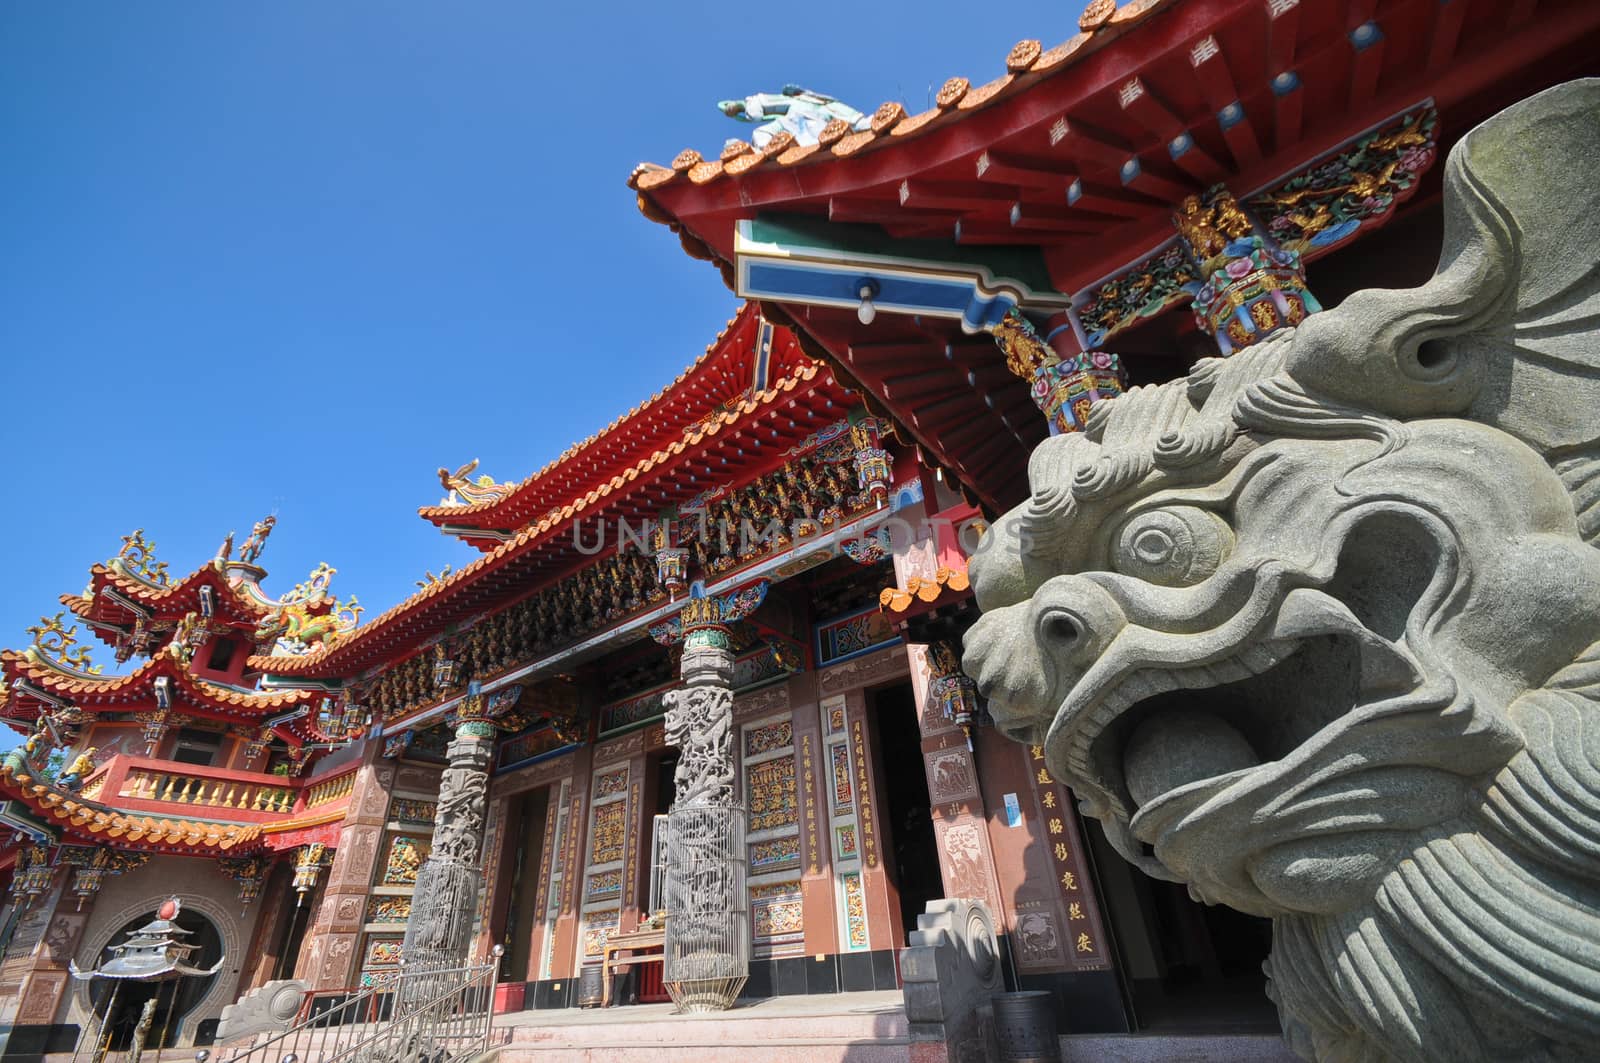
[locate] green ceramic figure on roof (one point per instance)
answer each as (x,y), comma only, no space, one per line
(795,110)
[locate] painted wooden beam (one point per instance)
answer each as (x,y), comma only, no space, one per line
(1240,135)
(1082,141)
(1210,69)
(953,195)
(1003,169)
(1366,65)
(1289,101)
(1147,109)
(1139,177)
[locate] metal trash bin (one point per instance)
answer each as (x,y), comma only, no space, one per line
(623,980)
(591,987)
(1025,1027)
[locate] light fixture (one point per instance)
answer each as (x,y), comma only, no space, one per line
(866,312)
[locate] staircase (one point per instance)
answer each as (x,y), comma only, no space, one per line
(858,1027)
(426,1015)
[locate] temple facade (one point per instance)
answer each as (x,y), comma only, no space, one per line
(293,774)
(1177,181)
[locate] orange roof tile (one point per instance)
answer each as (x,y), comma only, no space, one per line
(129,829)
(927,591)
(85,690)
(1027,62)
(482,513)
(327,661)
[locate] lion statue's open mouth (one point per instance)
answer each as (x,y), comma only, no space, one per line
(1316,630)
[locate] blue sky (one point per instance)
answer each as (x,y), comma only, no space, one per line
(294,257)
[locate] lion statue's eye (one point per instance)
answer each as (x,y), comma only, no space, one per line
(1174,547)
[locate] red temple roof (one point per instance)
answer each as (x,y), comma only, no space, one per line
(1027,62)
(136,691)
(166,602)
(95,821)
(797,404)
(1079,154)
(131,830)
(714,383)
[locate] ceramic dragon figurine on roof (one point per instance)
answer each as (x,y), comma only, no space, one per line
(463,489)
(1316,629)
(797,111)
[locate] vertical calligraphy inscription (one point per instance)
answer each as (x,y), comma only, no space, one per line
(808,771)
(869,836)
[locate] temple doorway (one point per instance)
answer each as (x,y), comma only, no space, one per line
(174,1000)
(524,857)
(1188,967)
(910,851)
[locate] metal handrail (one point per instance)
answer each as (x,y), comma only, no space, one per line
(447,1010)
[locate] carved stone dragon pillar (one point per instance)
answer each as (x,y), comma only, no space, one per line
(708,931)
(440,930)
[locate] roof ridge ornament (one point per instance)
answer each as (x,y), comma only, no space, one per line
(799,112)
(250,552)
(137,558)
(57,645)
(465,490)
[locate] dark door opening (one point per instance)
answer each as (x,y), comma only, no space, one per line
(664,792)
(912,854)
(666,782)
(527,820)
(174,999)
(1187,966)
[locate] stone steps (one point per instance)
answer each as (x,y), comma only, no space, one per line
(871,1033)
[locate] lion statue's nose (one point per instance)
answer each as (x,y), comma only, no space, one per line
(1074,620)
(1026,657)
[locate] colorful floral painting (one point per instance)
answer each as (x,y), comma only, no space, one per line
(382,952)
(855,910)
(773,798)
(835,715)
(839,764)
(1325,204)
(405,859)
(1141,291)
(597,930)
(851,636)
(773,854)
(776,912)
(388,909)
(610,829)
(844,839)
(411,810)
(766,739)
(604,885)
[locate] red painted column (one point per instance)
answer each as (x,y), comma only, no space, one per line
(822,933)
(636,857)
(564,961)
(41,946)
(881,898)
(329,957)
(966,856)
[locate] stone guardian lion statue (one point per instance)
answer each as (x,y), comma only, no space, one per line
(1316,629)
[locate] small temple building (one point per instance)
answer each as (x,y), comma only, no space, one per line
(923,298)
